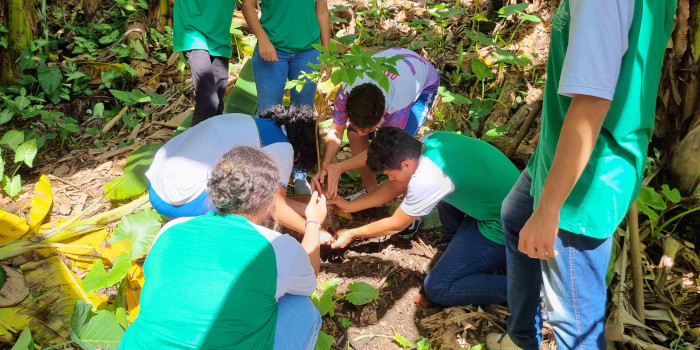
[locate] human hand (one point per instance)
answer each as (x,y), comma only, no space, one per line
(317,180)
(267,50)
(341,204)
(316,209)
(326,237)
(342,238)
(538,235)
(333,173)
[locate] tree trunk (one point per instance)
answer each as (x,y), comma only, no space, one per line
(90,7)
(20,24)
(159,14)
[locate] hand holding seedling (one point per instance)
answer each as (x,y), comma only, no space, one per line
(332,172)
(316,209)
(343,238)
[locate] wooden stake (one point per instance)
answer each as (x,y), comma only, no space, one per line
(636,261)
(523,129)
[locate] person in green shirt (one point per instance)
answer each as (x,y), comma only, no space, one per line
(201,33)
(286,32)
(226,281)
(467,179)
(603,72)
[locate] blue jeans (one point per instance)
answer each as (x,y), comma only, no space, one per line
(463,275)
(573,282)
(298,323)
(270,78)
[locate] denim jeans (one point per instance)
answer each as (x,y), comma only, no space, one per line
(270,78)
(573,282)
(463,275)
(209,76)
(298,323)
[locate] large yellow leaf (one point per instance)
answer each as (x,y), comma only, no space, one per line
(41,203)
(83,258)
(134,283)
(11,227)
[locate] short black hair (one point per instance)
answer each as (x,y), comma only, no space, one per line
(390,147)
(300,124)
(365,105)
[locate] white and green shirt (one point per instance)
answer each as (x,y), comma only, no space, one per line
(465,172)
(213,282)
(612,49)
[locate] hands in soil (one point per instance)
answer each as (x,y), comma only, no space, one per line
(343,238)
(326,237)
(342,205)
(316,209)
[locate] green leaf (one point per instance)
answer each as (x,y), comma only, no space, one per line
(26,152)
(141,228)
(138,47)
(484,39)
(672,194)
(22,102)
(110,38)
(348,39)
(361,293)
(25,341)
(511,58)
(76,75)
(530,17)
(3,277)
(11,185)
(325,304)
(12,139)
(130,98)
(478,347)
(98,277)
(324,341)
(5,116)
(98,110)
(511,9)
(49,78)
(244,96)
(26,79)
(403,342)
(481,70)
(157,99)
(345,322)
(2,172)
(447,14)
(423,344)
(479,18)
(649,197)
(480,108)
(494,133)
(93,330)
(134,182)
(450,97)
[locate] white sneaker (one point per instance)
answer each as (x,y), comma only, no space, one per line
(500,341)
(301,184)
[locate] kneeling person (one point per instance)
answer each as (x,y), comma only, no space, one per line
(181,168)
(224,281)
(467,179)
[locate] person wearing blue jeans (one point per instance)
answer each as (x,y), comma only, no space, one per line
(464,274)
(603,74)
(298,323)
(286,33)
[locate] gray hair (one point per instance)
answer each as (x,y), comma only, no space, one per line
(244,181)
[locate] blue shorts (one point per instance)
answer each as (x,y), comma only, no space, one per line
(196,207)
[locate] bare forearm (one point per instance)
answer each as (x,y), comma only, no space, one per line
(355,162)
(577,139)
(385,227)
(324,22)
(287,216)
(251,17)
(333,140)
(383,194)
(312,246)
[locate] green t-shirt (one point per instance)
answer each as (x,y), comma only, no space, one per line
(291,25)
(212,282)
(467,173)
(203,25)
(611,49)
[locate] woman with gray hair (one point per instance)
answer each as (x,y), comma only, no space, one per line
(222,280)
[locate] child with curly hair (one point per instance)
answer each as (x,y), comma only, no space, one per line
(180,169)
(364,106)
(224,281)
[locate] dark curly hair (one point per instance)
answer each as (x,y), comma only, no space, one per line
(390,147)
(365,105)
(244,181)
(300,124)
